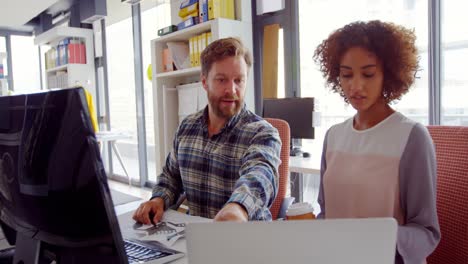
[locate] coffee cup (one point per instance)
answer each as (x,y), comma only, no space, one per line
(300,211)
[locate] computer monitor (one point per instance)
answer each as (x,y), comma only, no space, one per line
(54,199)
(298,112)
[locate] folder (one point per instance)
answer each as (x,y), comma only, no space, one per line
(209,38)
(203,42)
(167,60)
(196,54)
(200,48)
(187,23)
(189,11)
(221,8)
(186,3)
(167,30)
(75,50)
(228,9)
(191,52)
(202,11)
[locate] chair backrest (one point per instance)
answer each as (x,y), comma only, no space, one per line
(283,170)
(451,146)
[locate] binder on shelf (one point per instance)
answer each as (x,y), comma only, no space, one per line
(167,30)
(63,51)
(168,63)
(202,43)
(187,23)
(196,54)
(188,8)
(187,3)
(76,52)
(192,52)
(202,11)
(221,8)
(200,46)
(229,9)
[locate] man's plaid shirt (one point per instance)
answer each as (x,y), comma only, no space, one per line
(239,164)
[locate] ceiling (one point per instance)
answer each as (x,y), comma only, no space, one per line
(14,16)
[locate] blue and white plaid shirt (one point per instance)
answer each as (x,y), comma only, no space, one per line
(239,164)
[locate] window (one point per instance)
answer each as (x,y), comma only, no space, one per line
(151,20)
(2,44)
(120,61)
(315,25)
(122,94)
(25,64)
(3,59)
(454,90)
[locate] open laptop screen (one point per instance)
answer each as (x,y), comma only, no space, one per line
(350,241)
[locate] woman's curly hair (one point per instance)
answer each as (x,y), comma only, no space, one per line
(393,45)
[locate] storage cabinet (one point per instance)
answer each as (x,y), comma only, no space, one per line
(76,67)
(166,116)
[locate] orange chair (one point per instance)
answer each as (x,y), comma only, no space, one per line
(280,204)
(451,146)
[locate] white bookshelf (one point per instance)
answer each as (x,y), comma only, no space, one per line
(164,83)
(76,74)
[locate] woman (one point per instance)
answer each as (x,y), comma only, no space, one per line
(378,163)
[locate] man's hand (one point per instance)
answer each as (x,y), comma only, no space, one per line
(151,209)
(232,212)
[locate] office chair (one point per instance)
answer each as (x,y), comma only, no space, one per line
(451,146)
(281,203)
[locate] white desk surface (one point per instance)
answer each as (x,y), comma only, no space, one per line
(125,213)
(299,164)
(111,135)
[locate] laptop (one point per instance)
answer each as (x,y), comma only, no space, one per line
(359,241)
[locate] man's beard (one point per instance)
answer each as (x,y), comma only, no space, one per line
(223,112)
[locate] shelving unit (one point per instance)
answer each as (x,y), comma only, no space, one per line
(76,74)
(164,83)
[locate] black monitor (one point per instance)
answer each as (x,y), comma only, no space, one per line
(54,199)
(298,112)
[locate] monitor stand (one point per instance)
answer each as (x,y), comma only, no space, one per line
(297,150)
(295,147)
(33,251)
(27,250)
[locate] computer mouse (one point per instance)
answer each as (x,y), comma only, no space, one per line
(306,154)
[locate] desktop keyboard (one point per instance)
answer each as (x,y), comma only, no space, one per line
(140,253)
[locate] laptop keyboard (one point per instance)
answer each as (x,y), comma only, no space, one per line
(138,253)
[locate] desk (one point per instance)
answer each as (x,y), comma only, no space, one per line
(126,222)
(299,164)
(298,167)
(112,137)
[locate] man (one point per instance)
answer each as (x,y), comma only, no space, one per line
(225,158)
